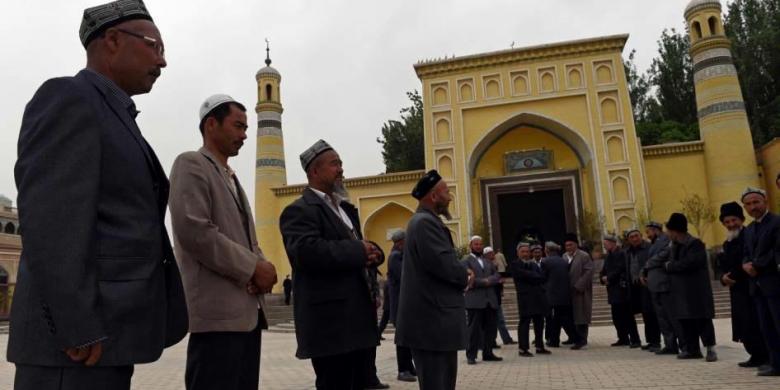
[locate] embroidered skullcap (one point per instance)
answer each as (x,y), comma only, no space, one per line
(311,153)
(99,18)
(425,184)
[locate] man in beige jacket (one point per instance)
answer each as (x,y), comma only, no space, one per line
(224,272)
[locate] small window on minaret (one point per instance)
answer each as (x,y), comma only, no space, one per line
(713,22)
(696,30)
(268,90)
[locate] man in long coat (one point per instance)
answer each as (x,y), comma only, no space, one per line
(335,312)
(615,276)
(431,315)
(762,263)
(655,277)
(745,325)
(690,287)
(403,355)
(581,282)
(481,303)
(531,299)
(558,289)
(637,253)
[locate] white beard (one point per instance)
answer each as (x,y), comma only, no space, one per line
(732,234)
(340,190)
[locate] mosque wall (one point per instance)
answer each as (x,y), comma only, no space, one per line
(769,164)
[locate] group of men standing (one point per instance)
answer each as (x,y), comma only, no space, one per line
(667,280)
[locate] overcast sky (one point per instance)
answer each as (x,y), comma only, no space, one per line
(345,65)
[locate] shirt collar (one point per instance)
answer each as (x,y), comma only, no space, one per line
(327,198)
(759,220)
(224,168)
(117,92)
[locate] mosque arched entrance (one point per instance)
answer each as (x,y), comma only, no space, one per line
(533,178)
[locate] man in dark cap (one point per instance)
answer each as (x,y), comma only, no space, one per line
(762,245)
(98,287)
(690,287)
(431,315)
(637,253)
(335,312)
(581,283)
(745,325)
(616,277)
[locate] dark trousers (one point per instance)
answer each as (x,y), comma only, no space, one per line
(560,317)
(582,333)
(482,326)
(223,360)
(287,296)
(385,319)
(625,323)
(370,377)
(745,324)
(769,315)
(649,317)
(670,328)
(403,357)
(695,329)
(346,371)
(522,332)
(72,378)
(436,370)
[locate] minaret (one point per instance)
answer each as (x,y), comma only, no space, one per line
(728,147)
(270,170)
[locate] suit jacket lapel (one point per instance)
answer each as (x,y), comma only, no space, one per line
(122,114)
(335,220)
(216,165)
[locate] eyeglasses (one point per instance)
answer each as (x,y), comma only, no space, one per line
(151,42)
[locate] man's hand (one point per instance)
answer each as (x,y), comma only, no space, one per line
(643,280)
(471,279)
(264,277)
(372,252)
(89,355)
(727,280)
(748,267)
(603,280)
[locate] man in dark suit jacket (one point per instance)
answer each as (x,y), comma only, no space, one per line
(615,276)
(481,304)
(558,289)
(93,296)
(335,313)
(431,315)
(406,370)
(531,299)
(762,264)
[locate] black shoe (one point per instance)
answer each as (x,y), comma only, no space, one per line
(646,347)
(492,358)
(750,363)
(542,351)
(688,355)
(553,345)
(510,342)
(769,372)
(635,345)
(654,349)
(619,343)
(406,376)
(579,346)
(378,385)
(496,346)
(382,338)
(525,354)
(471,361)
(667,351)
(568,342)
(712,356)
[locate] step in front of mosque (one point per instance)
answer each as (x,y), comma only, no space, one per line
(280,316)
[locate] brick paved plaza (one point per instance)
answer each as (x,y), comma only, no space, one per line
(598,367)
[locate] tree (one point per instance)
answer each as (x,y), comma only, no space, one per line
(638,88)
(403,141)
(753,26)
(699,212)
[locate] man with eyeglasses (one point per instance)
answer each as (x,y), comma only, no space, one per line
(98,287)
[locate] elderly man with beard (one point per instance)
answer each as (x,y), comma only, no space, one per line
(655,278)
(581,283)
(615,276)
(689,283)
(335,310)
(745,326)
(761,263)
(531,299)
(637,254)
(431,315)
(481,303)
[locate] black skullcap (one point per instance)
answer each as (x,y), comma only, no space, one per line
(425,184)
(731,209)
(571,237)
(99,18)
(678,223)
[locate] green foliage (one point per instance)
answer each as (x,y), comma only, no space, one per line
(591,227)
(480,228)
(753,26)
(403,141)
(699,212)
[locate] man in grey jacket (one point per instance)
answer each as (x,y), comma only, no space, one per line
(656,279)
(224,272)
(481,303)
(431,318)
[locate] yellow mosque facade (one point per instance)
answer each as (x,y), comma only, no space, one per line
(543,137)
